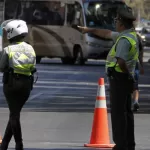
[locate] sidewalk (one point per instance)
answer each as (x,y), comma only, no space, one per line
(50,130)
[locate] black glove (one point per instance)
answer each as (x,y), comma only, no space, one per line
(33,71)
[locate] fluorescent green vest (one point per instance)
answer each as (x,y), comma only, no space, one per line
(22,58)
(133,53)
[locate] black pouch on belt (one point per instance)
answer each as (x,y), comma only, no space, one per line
(32,81)
(10,79)
(5,77)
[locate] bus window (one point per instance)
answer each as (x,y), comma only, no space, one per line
(101,14)
(70,14)
(39,12)
(10,9)
(74,14)
(57,10)
(1,12)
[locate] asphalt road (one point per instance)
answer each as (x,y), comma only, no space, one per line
(59,112)
(70,88)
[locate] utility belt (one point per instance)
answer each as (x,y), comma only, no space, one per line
(20,76)
(119,76)
(9,76)
(123,80)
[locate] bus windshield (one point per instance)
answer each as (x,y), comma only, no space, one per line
(36,12)
(101,14)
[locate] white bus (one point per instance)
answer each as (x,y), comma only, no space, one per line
(52,26)
(1,20)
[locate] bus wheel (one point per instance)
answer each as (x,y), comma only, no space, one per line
(38,59)
(67,60)
(79,57)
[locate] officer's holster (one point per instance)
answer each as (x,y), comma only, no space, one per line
(5,77)
(32,81)
(8,77)
(32,77)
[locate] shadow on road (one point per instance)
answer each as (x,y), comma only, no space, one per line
(57,62)
(82,148)
(60,64)
(70,110)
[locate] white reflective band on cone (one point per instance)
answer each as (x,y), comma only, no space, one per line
(100,104)
(101,90)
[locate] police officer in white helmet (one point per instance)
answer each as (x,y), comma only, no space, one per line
(17,63)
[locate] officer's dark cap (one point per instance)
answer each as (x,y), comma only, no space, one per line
(126,13)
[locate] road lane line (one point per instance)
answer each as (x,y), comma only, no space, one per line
(72,87)
(65,82)
(34,96)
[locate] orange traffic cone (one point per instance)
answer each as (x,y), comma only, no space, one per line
(100,133)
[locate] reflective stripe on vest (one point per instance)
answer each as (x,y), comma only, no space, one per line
(21,58)
(133,53)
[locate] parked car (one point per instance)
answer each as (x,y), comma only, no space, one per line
(145,36)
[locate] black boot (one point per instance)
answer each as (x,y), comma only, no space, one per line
(3,146)
(19,146)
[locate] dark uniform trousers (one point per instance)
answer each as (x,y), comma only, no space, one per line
(16,93)
(121,112)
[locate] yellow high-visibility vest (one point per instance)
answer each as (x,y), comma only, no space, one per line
(133,53)
(22,58)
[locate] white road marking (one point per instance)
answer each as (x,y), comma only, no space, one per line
(65,72)
(65,82)
(76,87)
(34,96)
(36,86)
(61,87)
(70,97)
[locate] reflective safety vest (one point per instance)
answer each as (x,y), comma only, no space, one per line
(22,58)
(111,60)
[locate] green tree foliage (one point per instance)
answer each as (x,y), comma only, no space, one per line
(140,6)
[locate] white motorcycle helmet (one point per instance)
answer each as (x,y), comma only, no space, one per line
(14,28)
